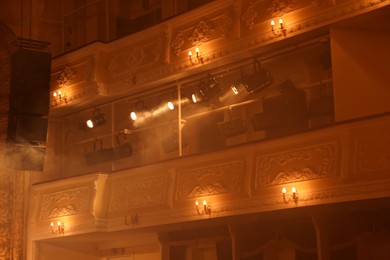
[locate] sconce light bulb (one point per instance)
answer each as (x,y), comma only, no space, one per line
(59,92)
(133,116)
(52,224)
(170,105)
(58,223)
(204,203)
(196,203)
(280,21)
(197,50)
(54,94)
(190,54)
(294,190)
(284,190)
(89,123)
(272,22)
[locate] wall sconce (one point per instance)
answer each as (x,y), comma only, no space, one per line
(133,219)
(59,97)
(282,27)
(206,208)
(294,196)
(197,59)
(60,229)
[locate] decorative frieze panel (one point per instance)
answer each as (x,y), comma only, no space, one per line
(65,203)
(211,180)
(75,73)
(134,58)
(257,11)
(139,193)
(306,163)
(219,25)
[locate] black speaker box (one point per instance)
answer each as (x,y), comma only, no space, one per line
(30,82)
(27,129)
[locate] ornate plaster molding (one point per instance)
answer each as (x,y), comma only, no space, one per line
(306,163)
(139,193)
(65,203)
(66,77)
(211,180)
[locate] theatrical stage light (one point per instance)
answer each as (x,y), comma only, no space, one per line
(260,79)
(137,108)
(97,119)
(206,90)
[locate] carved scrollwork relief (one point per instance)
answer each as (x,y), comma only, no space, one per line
(139,193)
(212,180)
(201,33)
(135,57)
(227,23)
(297,165)
(250,15)
(178,43)
(65,203)
(220,25)
(279,7)
(66,77)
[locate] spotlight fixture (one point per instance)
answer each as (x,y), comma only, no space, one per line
(170,105)
(206,209)
(139,106)
(259,80)
(97,119)
(206,90)
(123,149)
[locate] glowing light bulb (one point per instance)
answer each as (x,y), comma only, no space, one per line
(133,116)
(54,94)
(284,190)
(89,123)
(194,98)
(170,105)
(196,203)
(52,224)
(59,92)
(294,190)
(190,54)
(281,23)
